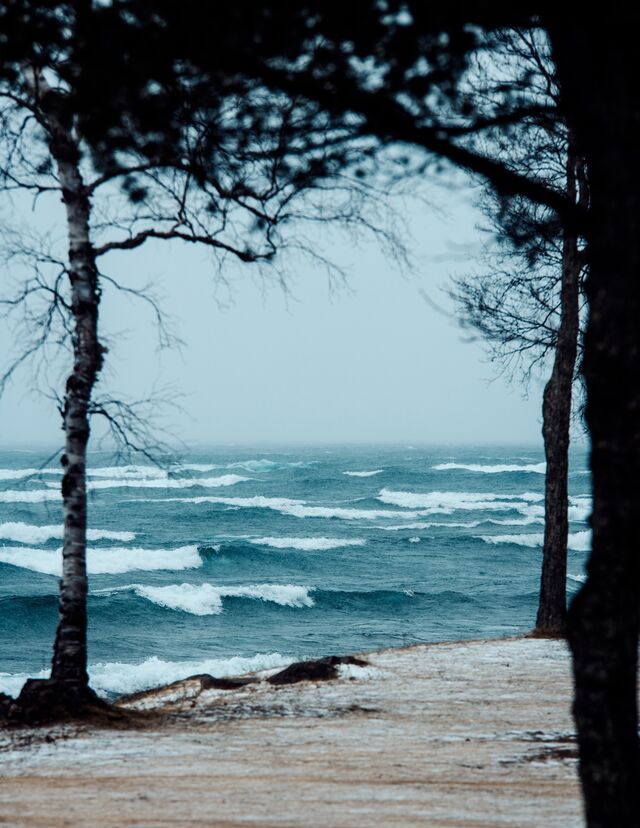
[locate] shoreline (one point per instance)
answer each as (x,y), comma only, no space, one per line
(464,733)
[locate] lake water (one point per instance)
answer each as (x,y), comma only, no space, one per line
(237,558)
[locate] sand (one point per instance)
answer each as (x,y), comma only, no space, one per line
(459,734)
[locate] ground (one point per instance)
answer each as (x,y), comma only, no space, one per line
(472,734)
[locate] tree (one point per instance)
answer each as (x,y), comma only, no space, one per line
(395,69)
(231,172)
(394,72)
(526,303)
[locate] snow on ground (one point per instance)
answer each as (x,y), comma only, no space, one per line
(460,734)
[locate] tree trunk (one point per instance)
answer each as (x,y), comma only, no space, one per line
(556,425)
(70,648)
(596,59)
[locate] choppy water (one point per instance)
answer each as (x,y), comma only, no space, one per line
(244,558)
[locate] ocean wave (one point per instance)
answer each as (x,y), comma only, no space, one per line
(26,533)
(499,468)
(363,473)
(430,524)
(110,561)
(37,496)
(296,508)
(308,544)
(128,472)
(466,501)
(21,474)
(579,579)
(254,466)
(578,541)
(167,483)
(116,678)
(206,599)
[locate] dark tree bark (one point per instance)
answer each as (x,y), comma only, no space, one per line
(597,63)
(556,421)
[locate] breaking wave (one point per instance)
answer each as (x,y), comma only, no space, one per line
(116,678)
(450,501)
(296,508)
(26,533)
(21,474)
(363,473)
(168,483)
(499,468)
(308,544)
(578,541)
(110,561)
(206,599)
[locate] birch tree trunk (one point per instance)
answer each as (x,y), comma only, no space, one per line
(556,424)
(70,649)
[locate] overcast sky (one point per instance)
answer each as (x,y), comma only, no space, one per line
(371,362)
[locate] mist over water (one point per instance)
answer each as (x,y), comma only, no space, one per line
(236,559)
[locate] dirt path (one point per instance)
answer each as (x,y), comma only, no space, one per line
(464,734)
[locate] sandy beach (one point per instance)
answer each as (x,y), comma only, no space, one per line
(459,734)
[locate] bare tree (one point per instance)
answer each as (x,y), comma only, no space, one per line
(241,190)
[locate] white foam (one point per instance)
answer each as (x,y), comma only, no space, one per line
(297,508)
(206,599)
(580,579)
(37,496)
(20,474)
(198,467)
(363,473)
(432,523)
(467,501)
(166,483)
(578,541)
(117,678)
(308,544)
(112,561)
(415,539)
(26,533)
(579,514)
(536,468)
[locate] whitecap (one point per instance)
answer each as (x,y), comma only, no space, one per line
(578,541)
(467,501)
(167,483)
(37,496)
(21,474)
(298,508)
(206,599)
(26,533)
(112,560)
(116,677)
(500,468)
(363,473)
(415,539)
(308,544)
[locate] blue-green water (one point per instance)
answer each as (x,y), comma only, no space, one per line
(236,559)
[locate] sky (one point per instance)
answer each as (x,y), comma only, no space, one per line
(368,361)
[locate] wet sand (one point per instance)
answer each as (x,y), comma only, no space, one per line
(460,734)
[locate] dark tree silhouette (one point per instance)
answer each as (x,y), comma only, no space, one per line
(526,300)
